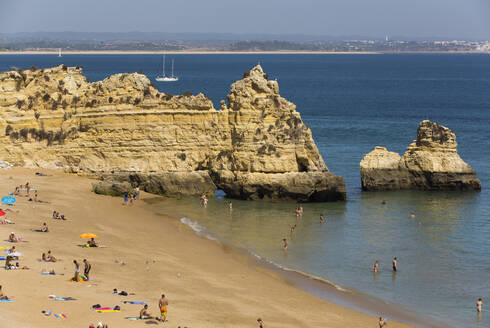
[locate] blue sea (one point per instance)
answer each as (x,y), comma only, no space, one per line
(353,103)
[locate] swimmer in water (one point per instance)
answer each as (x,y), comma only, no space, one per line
(375,267)
(394,264)
(285,244)
(412,215)
(322,220)
(479,305)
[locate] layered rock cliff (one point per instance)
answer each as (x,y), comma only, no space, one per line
(122,129)
(431,163)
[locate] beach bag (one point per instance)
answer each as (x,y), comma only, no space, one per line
(117,308)
(123,293)
(96,306)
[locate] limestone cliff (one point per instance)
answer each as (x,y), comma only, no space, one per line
(431,162)
(122,129)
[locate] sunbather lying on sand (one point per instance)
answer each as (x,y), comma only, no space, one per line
(48,257)
(6,221)
(44,228)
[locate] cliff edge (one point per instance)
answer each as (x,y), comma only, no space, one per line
(430,163)
(125,132)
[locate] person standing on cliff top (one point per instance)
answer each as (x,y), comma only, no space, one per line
(285,244)
(394,264)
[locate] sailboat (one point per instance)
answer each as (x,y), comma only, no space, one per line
(59,52)
(165,78)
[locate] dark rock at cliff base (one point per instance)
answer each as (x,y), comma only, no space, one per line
(430,163)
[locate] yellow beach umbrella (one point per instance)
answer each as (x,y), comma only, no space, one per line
(88,235)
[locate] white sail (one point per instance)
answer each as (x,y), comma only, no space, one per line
(59,52)
(165,78)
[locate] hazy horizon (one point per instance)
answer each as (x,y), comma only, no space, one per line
(418,19)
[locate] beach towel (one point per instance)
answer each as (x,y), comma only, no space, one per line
(2,258)
(133,318)
(50,274)
(6,300)
(101,308)
(103,311)
(60,315)
(63,299)
(134,302)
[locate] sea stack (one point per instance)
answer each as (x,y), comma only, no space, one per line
(125,132)
(430,163)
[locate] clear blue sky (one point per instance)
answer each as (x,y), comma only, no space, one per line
(417,18)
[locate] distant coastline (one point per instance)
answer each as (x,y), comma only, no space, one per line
(211,52)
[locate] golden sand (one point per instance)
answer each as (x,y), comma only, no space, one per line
(207,284)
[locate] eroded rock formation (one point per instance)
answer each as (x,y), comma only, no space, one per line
(123,130)
(431,163)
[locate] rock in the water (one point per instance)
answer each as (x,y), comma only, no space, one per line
(124,130)
(430,163)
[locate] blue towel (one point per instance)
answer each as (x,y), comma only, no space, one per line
(133,302)
(2,258)
(6,300)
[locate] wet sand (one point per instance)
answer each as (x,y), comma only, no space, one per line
(208,284)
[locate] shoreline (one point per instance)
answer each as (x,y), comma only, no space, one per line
(206,283)
(325,289)
(209,52)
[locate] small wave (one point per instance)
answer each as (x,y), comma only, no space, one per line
(301,273)
(199,229)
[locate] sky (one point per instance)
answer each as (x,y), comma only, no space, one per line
(412,18)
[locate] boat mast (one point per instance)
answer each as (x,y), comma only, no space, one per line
(172,68)
(163,73)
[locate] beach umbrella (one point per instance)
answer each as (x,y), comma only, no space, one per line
(88,235)
(2,213)
(8,200)
(15,254)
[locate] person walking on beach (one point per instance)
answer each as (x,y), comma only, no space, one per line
(126,197)
(479,305)
(285,244)
(231,207)
(77,270)
(375,267)
(394,264)
(322,220)
(261,323)
(87,268)
(382,322)
(162,304)
(137,192)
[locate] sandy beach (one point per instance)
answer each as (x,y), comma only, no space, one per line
(207,284)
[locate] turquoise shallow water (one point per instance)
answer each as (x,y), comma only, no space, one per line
(352,103)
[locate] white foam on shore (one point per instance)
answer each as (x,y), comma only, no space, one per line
(304,274)
(198,229)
